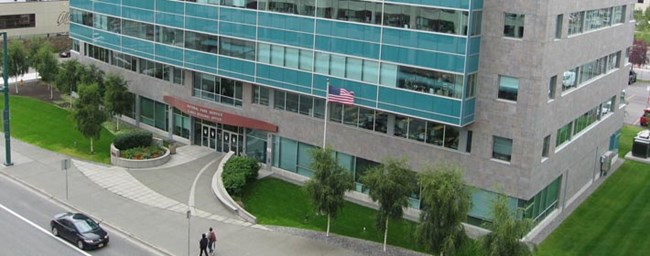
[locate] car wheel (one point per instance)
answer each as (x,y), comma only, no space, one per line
(55,231)
(80,244)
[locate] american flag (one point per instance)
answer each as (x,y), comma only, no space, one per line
(340,95)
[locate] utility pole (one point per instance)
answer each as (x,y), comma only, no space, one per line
(5,112)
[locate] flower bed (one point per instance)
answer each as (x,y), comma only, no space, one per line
(140,157)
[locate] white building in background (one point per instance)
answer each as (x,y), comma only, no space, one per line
(34,18)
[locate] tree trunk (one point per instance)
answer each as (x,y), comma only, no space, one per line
(385,234)
(51,93)
(16,84)
(328,225)
(117,122)
(92,150)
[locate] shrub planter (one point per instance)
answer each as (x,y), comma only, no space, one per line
(133,163)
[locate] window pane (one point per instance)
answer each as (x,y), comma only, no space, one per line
(514,25)
(354,67)
(370,71)
(291,57)
(501,148)
(508,88)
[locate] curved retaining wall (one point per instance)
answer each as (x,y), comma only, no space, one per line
(220,191)
(146,163)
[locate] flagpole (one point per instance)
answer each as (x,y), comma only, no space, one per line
(327,91)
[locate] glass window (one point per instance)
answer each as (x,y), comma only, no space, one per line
(366,118)
(319,107)
(292,102)
(249,4)
(322,63)
(501,148)
(201,42)
(558,26)
(417,130)
(337,66)
(381,121)
(389,75)
(471,86)
(260,95)
(354,67)
(546,145)
(569,79)
(428,19)
(551,87)
(279,99)
(306,60)
(169,36)
(508,88)
(306,105)
(351,115)
(138,29)
(299,7)
(452,136)
(370,71)
(576,21)
(336,112)
(513,25)
(291,57)
(277,55)
(563,134)
(264,53)
(476,22)
(401,126)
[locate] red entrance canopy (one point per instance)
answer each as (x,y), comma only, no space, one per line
(219,116)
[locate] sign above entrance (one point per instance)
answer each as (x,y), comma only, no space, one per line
(217,116)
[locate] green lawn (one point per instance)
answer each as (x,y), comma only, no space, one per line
(615,219)
(276,202)
(53,128)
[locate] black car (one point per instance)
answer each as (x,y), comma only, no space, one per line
(79,229)
(65,54)
(632,78)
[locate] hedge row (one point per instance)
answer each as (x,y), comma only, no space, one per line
(133,139)
(238,172)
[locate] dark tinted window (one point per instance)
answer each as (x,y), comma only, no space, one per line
(18,21)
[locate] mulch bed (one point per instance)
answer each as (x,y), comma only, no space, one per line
(38,90)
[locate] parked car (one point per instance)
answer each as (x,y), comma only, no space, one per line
(645,118)
(79,229)
(65,54)
(632,78)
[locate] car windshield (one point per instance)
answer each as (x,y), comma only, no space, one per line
(85,225)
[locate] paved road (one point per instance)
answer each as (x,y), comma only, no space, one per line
(21,238)
(636,96)
(18,237)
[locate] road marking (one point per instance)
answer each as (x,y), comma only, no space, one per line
(42,229)
(190,201)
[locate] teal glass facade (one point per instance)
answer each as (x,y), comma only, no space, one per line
(393,60)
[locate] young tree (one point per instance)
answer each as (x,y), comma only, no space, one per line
(638,55)
(47,66)
(445,203)
(88,116)
(68,77)
(507,229)
(33,46)
(93,75)
(17,60)
(390,184)
(117,99)
(329,184)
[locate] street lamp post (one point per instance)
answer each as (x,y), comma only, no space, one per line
(5,112)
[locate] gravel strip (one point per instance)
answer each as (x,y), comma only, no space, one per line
(354,244)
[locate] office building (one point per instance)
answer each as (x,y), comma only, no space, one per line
(24,19)
(523,95)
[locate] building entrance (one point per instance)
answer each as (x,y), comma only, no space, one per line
(222,138)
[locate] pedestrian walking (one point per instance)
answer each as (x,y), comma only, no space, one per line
(212,238)
(203,245)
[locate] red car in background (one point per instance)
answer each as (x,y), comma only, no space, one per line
(645,118)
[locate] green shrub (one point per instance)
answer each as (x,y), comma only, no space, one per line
(238,172)
(247,165)
(133,139)
(234,182)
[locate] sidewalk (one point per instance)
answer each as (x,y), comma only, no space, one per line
(150,205)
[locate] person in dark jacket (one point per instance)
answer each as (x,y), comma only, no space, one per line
(203,245)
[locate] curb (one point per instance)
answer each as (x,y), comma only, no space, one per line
(70,206)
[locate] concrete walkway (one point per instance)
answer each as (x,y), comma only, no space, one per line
(123,201)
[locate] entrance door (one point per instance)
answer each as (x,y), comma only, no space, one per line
(208,136)
(231,142)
